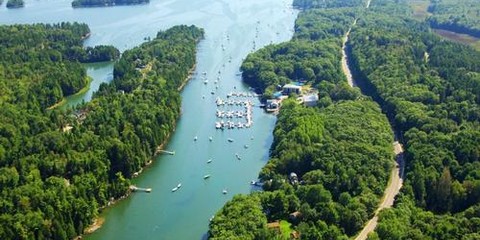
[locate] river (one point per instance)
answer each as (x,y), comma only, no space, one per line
(241,27)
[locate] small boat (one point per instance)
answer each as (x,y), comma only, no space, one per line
(174,189)
(205,82)
(224,191)
(246,146)
(195,138)
(209,160)
(230,140)
(210,138)
(211,218)
(238,156)
(179,185)
(253,182)
(206,176)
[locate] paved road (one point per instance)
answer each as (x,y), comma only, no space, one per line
(393,188)
(397,175)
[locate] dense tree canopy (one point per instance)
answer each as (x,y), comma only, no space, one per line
(341,151)
(106,3)
(306,4)
(305,58)
(53,180)
(430,88)
(458,16)
(38,59)
(15,3)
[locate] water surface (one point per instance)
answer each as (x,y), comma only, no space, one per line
(240,27)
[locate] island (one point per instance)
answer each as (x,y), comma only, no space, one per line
(15,4)
(106,3)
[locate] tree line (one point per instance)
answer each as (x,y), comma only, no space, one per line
(39,62)
(15,3)
(55,180)
(106,3)
(430,89)
(340,151)
(456,16)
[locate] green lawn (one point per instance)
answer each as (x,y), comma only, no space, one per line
(285,228)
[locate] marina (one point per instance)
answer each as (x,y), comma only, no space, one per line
(235,106)
(163,214)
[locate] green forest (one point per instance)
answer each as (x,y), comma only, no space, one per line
(54,181)
(341,151)
(313,55)
(106,3)
(428,87)
(14,3)
(308,4)
(457,16)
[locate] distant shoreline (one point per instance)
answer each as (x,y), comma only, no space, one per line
(108,5)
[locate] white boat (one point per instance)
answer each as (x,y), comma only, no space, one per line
(209,160)
(210,138)
(206,176)
(230,140)
(205,82)
(224,191)
(195,138)
(177,187)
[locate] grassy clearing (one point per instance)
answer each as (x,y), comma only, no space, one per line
(285,228)
(419,8)
(461,38)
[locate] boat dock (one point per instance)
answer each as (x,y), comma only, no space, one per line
(167,152)
(138,189)
(245,113)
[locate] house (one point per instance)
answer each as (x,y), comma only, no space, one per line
(291,88)
(310,100)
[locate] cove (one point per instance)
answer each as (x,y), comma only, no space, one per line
(233,29)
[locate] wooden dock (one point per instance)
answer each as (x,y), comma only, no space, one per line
(135,189)
(167,152)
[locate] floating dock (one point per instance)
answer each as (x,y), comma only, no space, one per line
(138,189)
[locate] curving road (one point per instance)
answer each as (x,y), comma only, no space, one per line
(397,174)
(393,188)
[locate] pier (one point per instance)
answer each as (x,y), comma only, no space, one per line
(245,113)
(136,189)
(167,152)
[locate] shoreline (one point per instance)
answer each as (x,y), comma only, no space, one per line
(188,78)
(99,221)
(64,99)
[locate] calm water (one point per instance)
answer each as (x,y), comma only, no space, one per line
(241,27)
